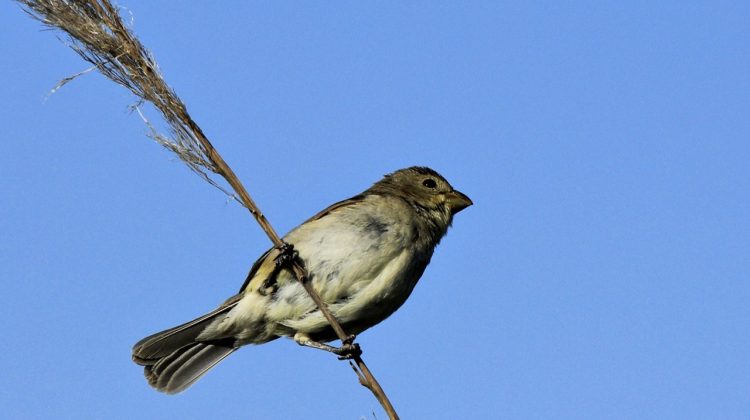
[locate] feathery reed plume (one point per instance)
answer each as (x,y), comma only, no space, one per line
(96,32)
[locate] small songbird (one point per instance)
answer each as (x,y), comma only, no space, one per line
(364,256)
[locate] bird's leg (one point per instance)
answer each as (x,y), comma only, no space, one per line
(348,350)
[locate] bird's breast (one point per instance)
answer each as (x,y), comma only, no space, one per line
(363,264)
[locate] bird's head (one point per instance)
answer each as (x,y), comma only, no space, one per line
(426,190)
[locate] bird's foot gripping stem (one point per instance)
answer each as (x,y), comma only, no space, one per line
(287,255)
(348,350)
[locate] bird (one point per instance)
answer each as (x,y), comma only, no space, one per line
(364,256)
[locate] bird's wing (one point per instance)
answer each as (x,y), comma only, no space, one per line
(333,207)
(260,268)
(265,270)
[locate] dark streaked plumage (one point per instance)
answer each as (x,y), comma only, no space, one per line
(364,256)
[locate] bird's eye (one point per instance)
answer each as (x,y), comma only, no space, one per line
(429,183)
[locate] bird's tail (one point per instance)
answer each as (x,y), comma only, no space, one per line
(173,359)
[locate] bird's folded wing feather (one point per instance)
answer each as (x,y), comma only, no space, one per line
(265,266)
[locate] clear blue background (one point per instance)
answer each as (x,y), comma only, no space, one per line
(602,273)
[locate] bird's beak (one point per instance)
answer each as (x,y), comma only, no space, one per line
(458,201)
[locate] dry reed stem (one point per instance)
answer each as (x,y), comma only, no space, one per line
(97,33)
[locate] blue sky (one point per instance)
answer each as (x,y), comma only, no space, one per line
(602,273)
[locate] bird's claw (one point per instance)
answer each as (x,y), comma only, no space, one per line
(348,351)
(287,254)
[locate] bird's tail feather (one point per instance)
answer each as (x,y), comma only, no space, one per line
(173,359)
(176,372)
